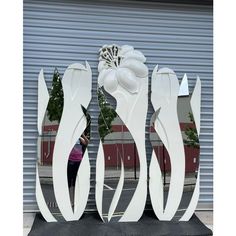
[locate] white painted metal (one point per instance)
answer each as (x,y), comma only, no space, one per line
(57,33)
(196,104)
(156,186)
(100,174)
(43,207)
(76,84)
(117,193)
(82,186)
(165,90)
(196,109)
(43,98)
(124,75)
(183,89)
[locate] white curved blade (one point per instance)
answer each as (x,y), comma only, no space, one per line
(76,82)
(82,183)
(194,200)
(196,104)
(165,90)
(127,82)
(47,215)
(196,109)
(43,98)
(100,173)
(156,186)
(117,193)
(183,89)
(136,105)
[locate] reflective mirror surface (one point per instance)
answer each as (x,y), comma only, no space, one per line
(120,157)
(191,149)
(46,147)
(52,110)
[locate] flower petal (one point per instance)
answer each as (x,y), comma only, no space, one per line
(102,75)
(137,55)
(101,65)
(127,80)
(138,68)
(110,81)
(125,49)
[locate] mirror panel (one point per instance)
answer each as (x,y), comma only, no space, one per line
(121,159)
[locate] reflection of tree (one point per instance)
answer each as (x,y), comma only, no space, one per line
(191,133)
(88,118)
(55,104)
(106,116)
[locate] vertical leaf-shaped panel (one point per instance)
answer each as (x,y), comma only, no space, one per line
(125,77)
(43,98)
(196,109)
(77,92)
(165,90)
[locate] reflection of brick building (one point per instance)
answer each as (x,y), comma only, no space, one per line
(48,141)
(120,144)
(113,150)
(113,143)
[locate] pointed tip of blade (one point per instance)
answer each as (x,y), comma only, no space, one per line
(184,89)
(154,71)
(198,79)
(41,74)
(87,66)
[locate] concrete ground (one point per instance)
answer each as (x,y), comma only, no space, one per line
(28,219)
(205,216)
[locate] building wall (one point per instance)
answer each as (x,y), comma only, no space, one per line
(58,33)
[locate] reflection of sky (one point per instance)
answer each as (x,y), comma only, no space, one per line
(183,90)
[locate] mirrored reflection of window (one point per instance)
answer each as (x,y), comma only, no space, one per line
(118,146)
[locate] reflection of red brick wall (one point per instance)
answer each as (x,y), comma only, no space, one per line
(47,143)
(114,152)
(191,158)
(46,152)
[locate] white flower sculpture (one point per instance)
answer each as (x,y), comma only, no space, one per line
(121,66)
(124,76)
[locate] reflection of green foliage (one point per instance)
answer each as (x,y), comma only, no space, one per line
(55,105)
(56,102)
(106,116)
(191,133)
(88,118)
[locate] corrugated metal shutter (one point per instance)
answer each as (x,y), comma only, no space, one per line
(58,33)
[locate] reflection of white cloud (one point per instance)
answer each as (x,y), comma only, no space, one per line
(183,90)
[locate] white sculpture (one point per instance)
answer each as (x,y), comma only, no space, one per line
(43,98)
(165,90)
(123,74)
(196,109)
(76,82)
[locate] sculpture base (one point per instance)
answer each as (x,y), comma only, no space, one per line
(90,225)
